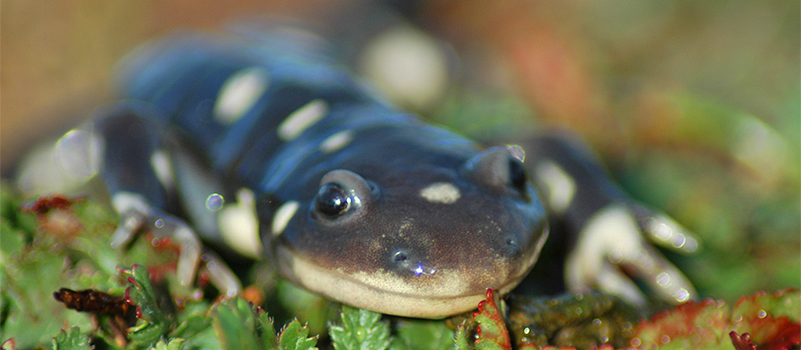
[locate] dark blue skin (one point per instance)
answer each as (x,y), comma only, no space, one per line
(363,204)
(362,232)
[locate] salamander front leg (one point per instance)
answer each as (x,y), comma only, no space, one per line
(137,216)
(614,239)
(191,250)
(609,233)
(141,180)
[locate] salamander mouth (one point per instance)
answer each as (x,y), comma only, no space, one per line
(353,291)
(450,294)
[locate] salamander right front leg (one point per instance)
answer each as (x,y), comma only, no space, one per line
(141,180)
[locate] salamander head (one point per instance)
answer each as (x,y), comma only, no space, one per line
(426,242)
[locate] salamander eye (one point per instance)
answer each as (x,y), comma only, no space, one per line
(332,201)
(344,198)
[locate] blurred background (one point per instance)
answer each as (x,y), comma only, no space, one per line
(693,106)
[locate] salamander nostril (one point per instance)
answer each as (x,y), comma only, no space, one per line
(512,247)
(400,256)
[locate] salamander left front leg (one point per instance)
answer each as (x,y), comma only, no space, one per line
(609,232)
(615,238)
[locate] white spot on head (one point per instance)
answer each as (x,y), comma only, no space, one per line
(161,164)
(301,119)
(336,141)
(441,192)
(283,215)
(239,93)
(560,185)
(239,225)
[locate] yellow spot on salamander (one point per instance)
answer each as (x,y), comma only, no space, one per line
(301,119)
(336,141)
(282,217)
(561,187)
(239,93)
(441,192)
(239,225)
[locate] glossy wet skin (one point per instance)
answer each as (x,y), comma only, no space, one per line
(423,236)
(365,204)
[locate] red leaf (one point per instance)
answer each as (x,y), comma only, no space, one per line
(742,342)
(44,204)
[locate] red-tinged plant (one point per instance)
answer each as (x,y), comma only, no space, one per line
(760,321)
(492,332)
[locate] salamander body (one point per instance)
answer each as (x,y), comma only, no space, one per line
(357,200)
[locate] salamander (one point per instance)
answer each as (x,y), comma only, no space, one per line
(351,197)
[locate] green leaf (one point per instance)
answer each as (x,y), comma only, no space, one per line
(14,219)
(461,342)
(195,326)
(783,303)
(192,325)
(266,329)
(296,337)
(690,325)
(311,309)
(419,334)
(239,325)
(360,329)
(207,339)
(13,239)
(232,329)
(74,340)
(492,332)
(174,344)
(153,323)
